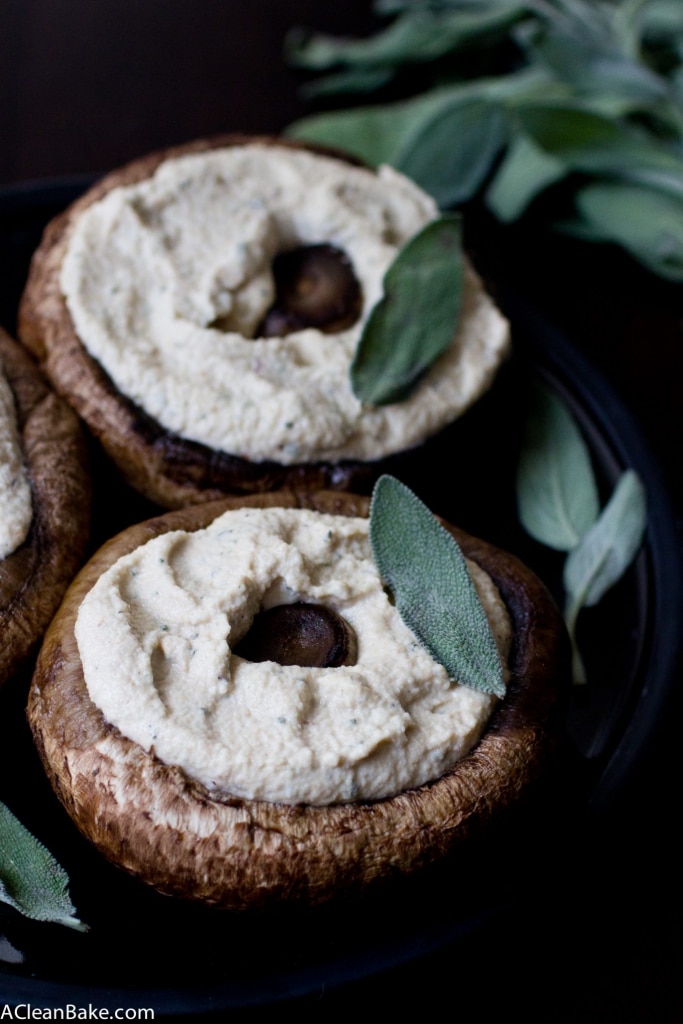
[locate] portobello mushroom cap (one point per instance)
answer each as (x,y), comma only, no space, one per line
(165,467)
(168,468)
(154,821)
(34,577)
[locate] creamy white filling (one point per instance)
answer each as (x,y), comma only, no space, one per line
(155,635)
(15,489)
(152,268)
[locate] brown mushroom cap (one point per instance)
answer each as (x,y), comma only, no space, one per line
(167,468)
(158,824)
(34,577)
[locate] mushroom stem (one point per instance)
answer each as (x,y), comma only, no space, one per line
(307,635)
(315,287)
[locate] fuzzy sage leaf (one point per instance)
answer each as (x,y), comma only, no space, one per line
(557,501)
(453,174)
(646,222)
(416,36)
(426,572)
(603,555)
(31,880)
(557,497)
(415,320)
(525,171)
(607,549)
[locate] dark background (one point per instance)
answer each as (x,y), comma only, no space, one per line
(86,85)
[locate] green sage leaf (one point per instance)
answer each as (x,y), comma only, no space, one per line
(658,22)
(645,222)
(525,171)
(415,320)
(31,880)
(413,35)
(350,80)
(375,133)
(608,548)
(557,496)
(595,65)
(425,570)
(416,35)
(371,133)
(591,142)
(453,152)
(380,133)
(603,555)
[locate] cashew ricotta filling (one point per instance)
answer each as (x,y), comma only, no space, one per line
(168,280)
(15,489)
(155,635)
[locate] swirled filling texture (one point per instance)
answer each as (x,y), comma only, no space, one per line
(167,281)
(155,635)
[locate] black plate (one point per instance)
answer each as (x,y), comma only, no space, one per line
(207,961)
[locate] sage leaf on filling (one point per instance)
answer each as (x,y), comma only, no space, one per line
(31,880)
(423,567)
(415,320)
(557,496)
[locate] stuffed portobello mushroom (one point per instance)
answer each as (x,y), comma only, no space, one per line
(230,707)
(201,307)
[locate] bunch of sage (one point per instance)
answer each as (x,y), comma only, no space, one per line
(518,96)
(558,505)
(31,880)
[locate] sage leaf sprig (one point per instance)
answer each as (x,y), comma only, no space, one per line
(416,318)
(556,489)
(557,500)
(31,880)
(516,97)
(606,550)
(425,570)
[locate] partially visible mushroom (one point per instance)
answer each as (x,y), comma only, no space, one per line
(315,287)
(34,577)
(300,634)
